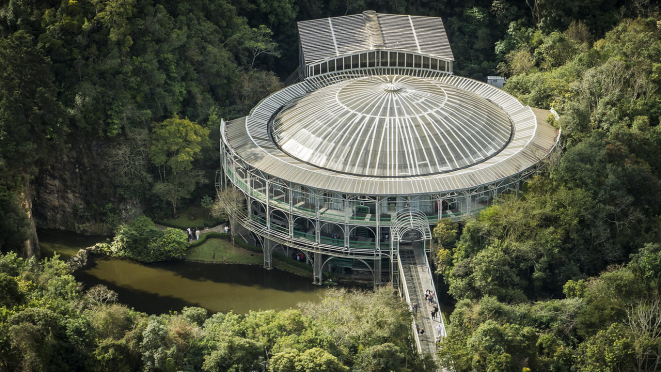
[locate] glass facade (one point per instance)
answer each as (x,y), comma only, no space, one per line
(379,58)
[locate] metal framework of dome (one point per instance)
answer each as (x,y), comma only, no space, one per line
(374,143)
(391,126)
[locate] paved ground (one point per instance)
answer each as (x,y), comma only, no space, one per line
(220,228)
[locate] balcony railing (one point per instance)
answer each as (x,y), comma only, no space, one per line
(304,209)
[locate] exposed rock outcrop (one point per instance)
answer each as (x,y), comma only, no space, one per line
(80,259)
(71,193)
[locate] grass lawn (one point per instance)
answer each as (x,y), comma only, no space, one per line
(193,216)
(219,250)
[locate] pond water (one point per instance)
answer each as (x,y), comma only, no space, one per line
(169,286)
(65,243)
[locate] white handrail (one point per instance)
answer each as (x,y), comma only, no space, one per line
(440,313)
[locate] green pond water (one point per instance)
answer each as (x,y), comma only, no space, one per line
(65,243)
(160,288)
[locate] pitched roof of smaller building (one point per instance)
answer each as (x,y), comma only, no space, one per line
(326,38)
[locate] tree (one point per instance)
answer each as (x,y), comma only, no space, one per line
(644,324)
(229,205)
(344,316)
(646,264)
(579,32)
(317,359)
(134,239)
(610,350)
(101,295)
(380,358)
(176,143)
(556,50)
(507,347)
(31,125)
(14,224)
(233,354)
(284,361)
(180,186)
(143,241)
(156,355)
(35,338)
(127,161)
(114,15)
(444,234)
(171,245)
(250,88)
(519,61)
(311,360)
(258,42)
(10,294)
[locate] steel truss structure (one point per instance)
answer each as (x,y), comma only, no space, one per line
(293,200)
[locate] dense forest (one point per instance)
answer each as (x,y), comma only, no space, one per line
(47,323)
(567,277)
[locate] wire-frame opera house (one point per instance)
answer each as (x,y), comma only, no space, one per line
(375,144)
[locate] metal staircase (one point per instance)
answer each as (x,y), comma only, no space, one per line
(416,294)
(416,279)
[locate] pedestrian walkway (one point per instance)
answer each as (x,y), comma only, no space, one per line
(219,228)
(417,277)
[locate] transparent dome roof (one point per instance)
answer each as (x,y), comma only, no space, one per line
(391,126)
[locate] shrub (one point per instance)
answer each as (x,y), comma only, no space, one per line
(142,241)
(172,244)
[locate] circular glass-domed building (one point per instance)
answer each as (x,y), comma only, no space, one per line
(375,143)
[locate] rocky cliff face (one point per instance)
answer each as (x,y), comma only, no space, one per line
(72,193)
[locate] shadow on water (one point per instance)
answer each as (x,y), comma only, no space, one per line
(140,300)
(65,243)
(169,286)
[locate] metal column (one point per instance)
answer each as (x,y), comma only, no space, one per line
(377,271)
(268,207)
(346,221)
(317,226)
(291,210)
(394,266)
(249,187)
(318,275)
(268,255)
